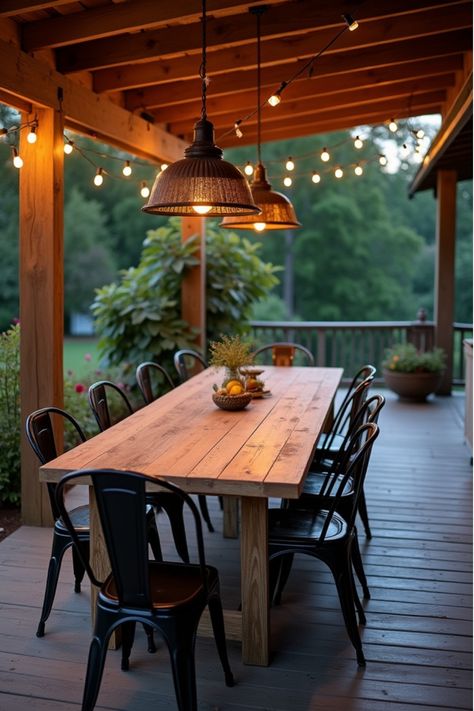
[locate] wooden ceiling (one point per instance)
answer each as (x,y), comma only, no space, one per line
(405,59)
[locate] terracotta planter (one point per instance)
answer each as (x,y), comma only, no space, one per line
(412,386)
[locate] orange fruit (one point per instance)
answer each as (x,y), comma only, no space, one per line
(233,383)
(235,389)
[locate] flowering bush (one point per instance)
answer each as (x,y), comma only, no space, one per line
(404,358)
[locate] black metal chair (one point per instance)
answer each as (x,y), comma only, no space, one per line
(324,534)
(365,374)
(40,434)
(185,361)
(170,597)
(283,353)
(148,374)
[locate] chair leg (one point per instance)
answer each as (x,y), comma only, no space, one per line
(60,544)
(184,672)
(128,636)
(341,570)
(358,604)
(77,565)
(153,536)
(359,567)
(173,506)
(362,508)
(217,619)
(205,512)
(95,669)
(286,563)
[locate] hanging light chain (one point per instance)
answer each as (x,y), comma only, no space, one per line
(203,67)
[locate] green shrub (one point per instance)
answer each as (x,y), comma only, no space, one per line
(404,358)
(10,468)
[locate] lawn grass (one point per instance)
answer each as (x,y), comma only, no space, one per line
(75,350)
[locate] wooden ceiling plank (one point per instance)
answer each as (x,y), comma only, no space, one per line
(35,82)
(431,70)
(281,50)
(281,21)
(371,58)
(9,8)
(321,112)
(109,20)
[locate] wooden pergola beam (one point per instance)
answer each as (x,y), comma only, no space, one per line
(366,59)
(9,8)
(283,21)
(35,82)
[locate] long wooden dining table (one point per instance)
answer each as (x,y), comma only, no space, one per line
(255,454)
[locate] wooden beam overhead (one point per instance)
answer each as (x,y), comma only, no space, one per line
(282,51)
(367,59)
(9,8)
(281,21)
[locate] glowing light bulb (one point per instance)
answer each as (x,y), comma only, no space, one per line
(420,133)
(325,155)
(351,23)
(248,170)
(287,181)
(358,143)
(202,209)
(382,160)
(144,190)
(358,170)
(405,150)
(316,178)
(98,178)
(259,226)
(163,166)
(238,130)
(274,99)
(338,172)
(289,164)
(17,160)
(127,169)
(393,126)
(32,137)
(68,147)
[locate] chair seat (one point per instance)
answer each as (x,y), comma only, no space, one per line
(315,480)
(303,527)
(79,517)
(171,584)
(333,447)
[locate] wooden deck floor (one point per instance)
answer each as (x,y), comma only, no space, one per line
(418,634)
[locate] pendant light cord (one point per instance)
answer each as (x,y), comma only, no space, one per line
(202,69)
(259,106)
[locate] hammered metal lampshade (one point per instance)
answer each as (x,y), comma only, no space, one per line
(277,212)
(202,183)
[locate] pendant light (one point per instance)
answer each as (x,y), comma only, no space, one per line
(277,211)
(202,183)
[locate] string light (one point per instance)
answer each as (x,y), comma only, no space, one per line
(325,155)
(68,147)
(393,126)
(358,143)
(405,150)
(350,22)
(382,159)
(287,181)
(238,130)
(163,166)
(17,159)
(32,136)
(290,164)
(98,177)
(316,178)
(127,169)
(144,190)
(420,133)
(275,98)
(338,172)
(358,170)
(248,170)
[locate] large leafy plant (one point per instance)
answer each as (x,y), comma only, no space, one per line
(10,468)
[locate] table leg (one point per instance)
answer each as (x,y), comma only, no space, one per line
(254,581)
(231,516)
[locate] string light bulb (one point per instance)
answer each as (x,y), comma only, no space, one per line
(290,164)
(382,159)
(325,155)
(144,190)
(127,169)
(287,181)
(358,170)
(338,172)
(350,22)
(275,98)
(68,147)
(392,125)
(248,170)
(316,178)
(98,178)
(259,226)
(420,133)
(17,159)
(405,150)
(163,166)
(238,130)
(358,143)
(32,136)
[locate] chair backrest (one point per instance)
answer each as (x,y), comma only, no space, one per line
(100,403)
(185,362)
(365,373)
(148,374)
(40,435)
(283,353)
(121,501)
(350,464)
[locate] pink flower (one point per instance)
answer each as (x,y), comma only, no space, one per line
(79,388)
(87,356)
(121,386)
(15,321)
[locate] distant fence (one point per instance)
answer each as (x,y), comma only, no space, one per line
(349,344)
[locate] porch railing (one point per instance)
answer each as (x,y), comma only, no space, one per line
(349,344)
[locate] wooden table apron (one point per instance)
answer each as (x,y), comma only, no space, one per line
(257,453)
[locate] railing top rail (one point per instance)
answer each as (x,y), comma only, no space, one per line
(463,326)
(339,324)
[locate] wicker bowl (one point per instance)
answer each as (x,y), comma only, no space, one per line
(232,402)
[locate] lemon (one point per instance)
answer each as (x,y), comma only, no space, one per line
(235,389)
(233,384)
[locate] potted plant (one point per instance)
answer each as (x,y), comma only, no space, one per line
(232,354)
(413,374)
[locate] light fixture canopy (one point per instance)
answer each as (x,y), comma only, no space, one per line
(202,183)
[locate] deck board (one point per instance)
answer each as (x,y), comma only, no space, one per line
(418,634)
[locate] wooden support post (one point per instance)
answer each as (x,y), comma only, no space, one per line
(445,270)
(41,292)
(193,293)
